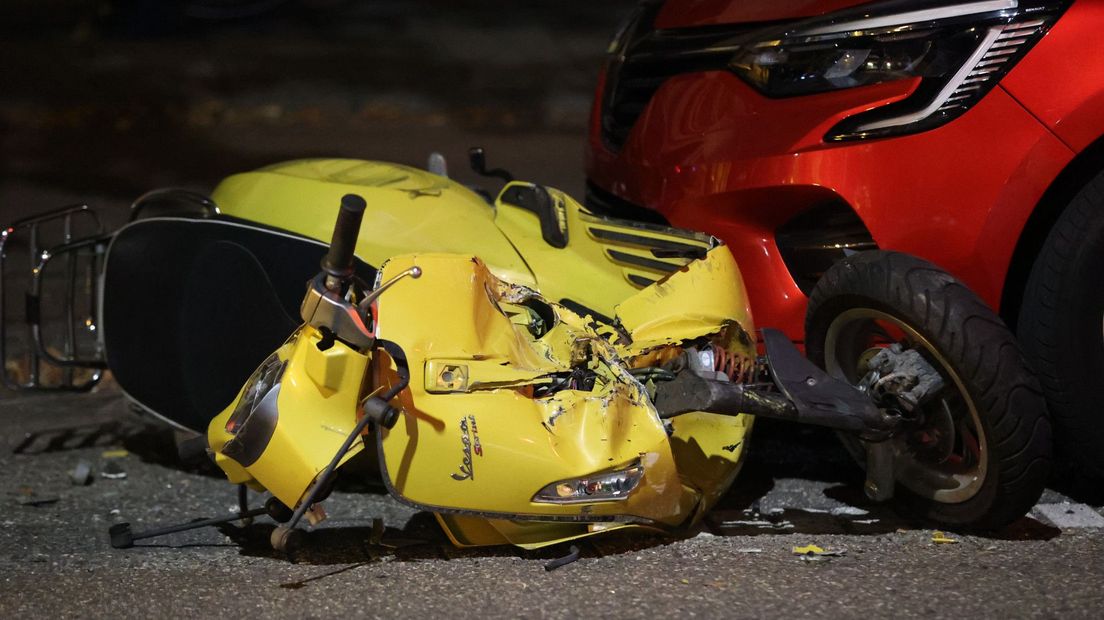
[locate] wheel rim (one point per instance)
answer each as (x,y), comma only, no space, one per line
(943,456)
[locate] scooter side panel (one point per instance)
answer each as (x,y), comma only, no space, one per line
(690,302)
(605,261)
(409,210)
(318,395)
(488,452)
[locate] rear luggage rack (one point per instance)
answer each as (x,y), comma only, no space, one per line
(73,359)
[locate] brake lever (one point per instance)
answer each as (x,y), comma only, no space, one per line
(414,272)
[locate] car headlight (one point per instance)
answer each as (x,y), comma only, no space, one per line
(600,487)
(957,50)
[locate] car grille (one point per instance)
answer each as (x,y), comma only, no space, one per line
(650,57)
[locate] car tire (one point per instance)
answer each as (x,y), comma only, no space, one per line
(994,439)
(1061,327)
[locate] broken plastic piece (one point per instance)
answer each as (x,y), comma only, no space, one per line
(81,475)
(316,514)
(813,553)
(940,538)
(112,471)
(117,453)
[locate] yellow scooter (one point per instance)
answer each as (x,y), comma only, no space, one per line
(524,369)
(514,419)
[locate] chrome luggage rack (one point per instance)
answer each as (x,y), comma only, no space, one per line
(76,356)
(74,361)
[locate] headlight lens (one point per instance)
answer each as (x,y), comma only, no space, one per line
(959,51)
(602,487)
(260,383)
(789,68)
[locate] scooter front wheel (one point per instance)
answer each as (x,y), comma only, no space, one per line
(974,450)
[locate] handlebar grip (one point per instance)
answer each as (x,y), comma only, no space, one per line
(338,262)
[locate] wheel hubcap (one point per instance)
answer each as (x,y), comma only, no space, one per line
(941,453)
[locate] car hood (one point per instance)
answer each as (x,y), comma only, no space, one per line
(688,13)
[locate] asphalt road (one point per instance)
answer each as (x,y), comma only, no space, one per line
(797,489)
(99,118)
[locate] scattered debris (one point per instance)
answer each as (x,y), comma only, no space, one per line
(315,514)
(36,502)
(31,499)
(565,560)
(112,471)
(813,553)
(749,550)
(81,475)
(116,453)
(761,524)
(940,538)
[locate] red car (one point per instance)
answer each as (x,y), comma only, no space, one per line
(799,131)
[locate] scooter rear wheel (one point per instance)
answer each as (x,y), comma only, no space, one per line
(976,453)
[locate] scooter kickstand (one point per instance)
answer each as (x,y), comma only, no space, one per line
(243,504)
(123,537)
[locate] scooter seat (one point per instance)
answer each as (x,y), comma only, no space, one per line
(192,306)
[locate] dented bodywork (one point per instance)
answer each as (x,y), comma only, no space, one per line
(510,393)
(545,394)
(524,369)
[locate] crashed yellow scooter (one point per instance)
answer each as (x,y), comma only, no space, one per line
(514,419)
(530,377)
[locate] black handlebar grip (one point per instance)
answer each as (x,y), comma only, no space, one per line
(338,262)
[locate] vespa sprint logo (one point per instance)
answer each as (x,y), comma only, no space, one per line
(469,442)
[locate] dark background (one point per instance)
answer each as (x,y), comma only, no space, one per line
(101,101)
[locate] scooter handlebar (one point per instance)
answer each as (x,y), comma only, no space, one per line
(338,262)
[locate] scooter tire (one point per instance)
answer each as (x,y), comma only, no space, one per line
(993,402)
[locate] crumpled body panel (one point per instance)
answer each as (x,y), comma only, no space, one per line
(484,429)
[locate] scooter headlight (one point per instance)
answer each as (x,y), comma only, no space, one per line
(957,50)
(603,487)
(259,385)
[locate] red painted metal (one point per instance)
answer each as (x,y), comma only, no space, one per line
(711,153)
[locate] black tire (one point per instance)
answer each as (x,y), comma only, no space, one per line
(1061,326)
(993,403)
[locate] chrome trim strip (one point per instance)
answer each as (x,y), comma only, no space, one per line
(910,17)
(951,88)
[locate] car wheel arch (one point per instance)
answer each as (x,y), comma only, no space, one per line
(1077,173)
